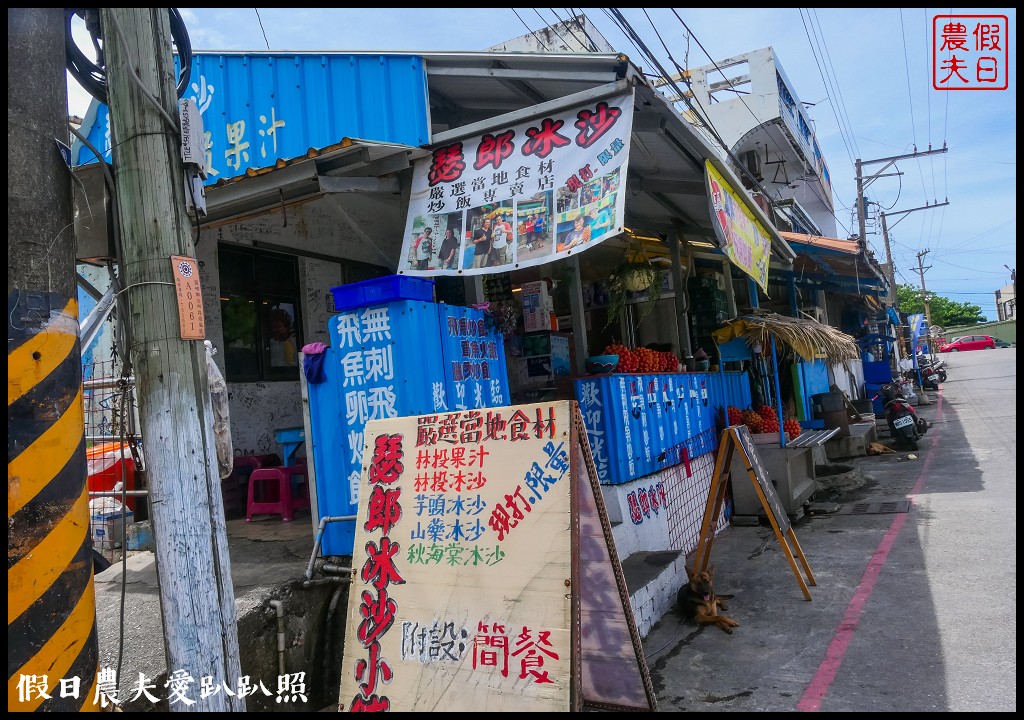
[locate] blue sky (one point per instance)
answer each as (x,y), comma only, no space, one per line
(867,71)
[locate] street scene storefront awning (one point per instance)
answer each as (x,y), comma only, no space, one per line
(835,264)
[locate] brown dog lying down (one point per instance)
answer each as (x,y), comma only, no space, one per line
(697,601)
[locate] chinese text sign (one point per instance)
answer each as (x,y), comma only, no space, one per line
(742,237)
(970,52)
(461,566)
(520,196)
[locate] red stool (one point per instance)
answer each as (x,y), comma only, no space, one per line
(277,494)
(234,488)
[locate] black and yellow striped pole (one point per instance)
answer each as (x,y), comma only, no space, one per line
(52,651)
(51,605)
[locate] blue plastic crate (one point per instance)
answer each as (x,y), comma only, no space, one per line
(382,290)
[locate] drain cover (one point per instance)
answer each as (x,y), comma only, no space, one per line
(875,508)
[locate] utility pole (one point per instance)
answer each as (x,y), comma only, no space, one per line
(196,593)
(51,603)
(924,290)
(862,185)
(894,297)
(888,252)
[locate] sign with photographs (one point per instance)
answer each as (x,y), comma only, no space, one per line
(520,196)
(742,237)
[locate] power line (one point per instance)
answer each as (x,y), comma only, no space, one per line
(835,83)
(535,35)
(551,26)
(262,28)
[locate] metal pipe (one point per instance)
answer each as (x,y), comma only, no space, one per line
(278,606)
(320,538)
(326,580)
(335,569)
(778,394)
(332,608)
(118,493)
(108,383)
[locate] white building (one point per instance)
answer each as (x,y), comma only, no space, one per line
(753,107)
(1006,303)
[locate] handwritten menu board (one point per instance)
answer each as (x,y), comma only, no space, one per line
(462,564)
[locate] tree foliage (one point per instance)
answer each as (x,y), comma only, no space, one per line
(945,312)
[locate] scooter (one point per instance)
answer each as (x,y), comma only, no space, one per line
(904,424)
(938,365)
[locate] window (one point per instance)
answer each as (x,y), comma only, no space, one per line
(261,315)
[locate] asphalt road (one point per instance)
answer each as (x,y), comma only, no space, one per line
(911,611)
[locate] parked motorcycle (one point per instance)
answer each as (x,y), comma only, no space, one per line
(904,424)
(938,365)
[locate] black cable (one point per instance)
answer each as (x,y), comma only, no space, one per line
(92,75)
(535,35)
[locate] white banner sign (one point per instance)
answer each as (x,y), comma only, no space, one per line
(520,196)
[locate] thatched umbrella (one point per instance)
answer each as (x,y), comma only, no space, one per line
(809,338)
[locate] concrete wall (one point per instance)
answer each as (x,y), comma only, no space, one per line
(258,409)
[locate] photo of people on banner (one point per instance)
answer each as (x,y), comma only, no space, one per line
(521,196)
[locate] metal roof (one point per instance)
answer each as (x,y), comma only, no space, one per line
(472,92)
(835,264)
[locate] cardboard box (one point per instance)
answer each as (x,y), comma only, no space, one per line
(107,529)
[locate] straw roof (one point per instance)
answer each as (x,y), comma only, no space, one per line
(808,338)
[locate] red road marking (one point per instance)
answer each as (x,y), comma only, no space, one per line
(822,680)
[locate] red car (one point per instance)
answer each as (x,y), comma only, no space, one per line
(969,342)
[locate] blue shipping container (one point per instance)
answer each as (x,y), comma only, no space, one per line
(383,362)
(258,108)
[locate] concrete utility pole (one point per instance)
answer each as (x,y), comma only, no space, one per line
(924,290)
(862,185)
(196,593)
(51,602)
(888,252)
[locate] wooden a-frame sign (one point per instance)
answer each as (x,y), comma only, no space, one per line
(491,584)
(736,439)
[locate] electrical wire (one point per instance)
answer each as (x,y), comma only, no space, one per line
(535,35)
(832,103)
(551,26)
(814,189)
(835,83)
(262,28)
(568,28)
(627,28)
(138,81)
(582,24)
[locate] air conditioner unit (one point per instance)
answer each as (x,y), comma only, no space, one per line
(752,161)
(815,313)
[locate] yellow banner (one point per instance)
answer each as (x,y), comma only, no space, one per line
(743,239)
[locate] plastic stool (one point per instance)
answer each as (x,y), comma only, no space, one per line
(234,488)
(274,486)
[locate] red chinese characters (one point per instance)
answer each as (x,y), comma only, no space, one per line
(970,52)
(593,124)
(545,139)
(376,608)
(494,149)
(447,164)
